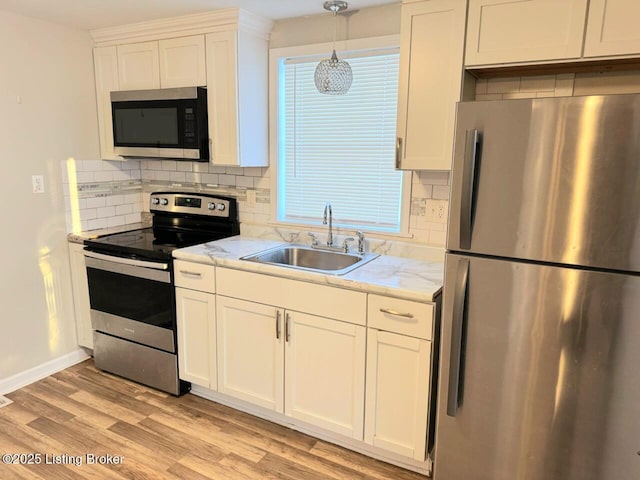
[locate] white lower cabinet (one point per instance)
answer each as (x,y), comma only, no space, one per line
(324,373)
(195,315)
(196,323)
(250,352)
(398,379)
(308,367)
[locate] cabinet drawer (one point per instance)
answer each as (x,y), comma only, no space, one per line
(401,316)
(194,276)
(320,300)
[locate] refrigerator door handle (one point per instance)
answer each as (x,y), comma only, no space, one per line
(472,141)
(457,329)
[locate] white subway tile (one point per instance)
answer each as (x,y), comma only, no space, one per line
(106,212)
(97,223)
(163,176)
(422,190)
(124,209)
(262,182)
(115,221)
(234,170)
(244,182)
(132,218)
(121,176)
(96,202)
(503,85)
(114,200)
(135,174)
(133,197)
(518,95)
(89,165)
(178,177)
(201,167)
(481,86)
(266,172)
(168,165)
(148,175)
(226,179)
(103,176)
(564,85)
(111,166)
(84,177)
(217,169)
(184,166)
(252,172)
(441,192)
(489,96)
(246,217)
(538,83)
(434,178)
(84,225)
(210,178)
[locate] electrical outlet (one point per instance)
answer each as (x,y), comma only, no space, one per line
(37,182)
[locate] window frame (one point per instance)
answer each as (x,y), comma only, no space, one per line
(322,50)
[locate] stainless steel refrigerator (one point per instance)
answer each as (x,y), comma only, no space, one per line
(540,359)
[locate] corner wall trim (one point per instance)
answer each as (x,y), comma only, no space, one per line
(19,380)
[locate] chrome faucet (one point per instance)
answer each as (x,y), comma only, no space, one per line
(329,214)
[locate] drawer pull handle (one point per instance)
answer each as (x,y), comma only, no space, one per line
(192,274)
(397,314)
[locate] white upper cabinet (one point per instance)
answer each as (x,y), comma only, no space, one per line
(430,82)
(138,66)
(237,64)
(105,61)
(613,28)
(182,62)
(502,31)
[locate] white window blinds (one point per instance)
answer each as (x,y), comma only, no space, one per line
(340,149)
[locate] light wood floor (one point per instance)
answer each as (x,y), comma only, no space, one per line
(82,410)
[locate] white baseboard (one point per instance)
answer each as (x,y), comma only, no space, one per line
(39,372)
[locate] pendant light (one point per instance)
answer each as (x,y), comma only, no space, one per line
(333,76)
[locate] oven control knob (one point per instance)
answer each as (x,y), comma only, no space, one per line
(164,201)
(155,201)
(211,206)
(221,207)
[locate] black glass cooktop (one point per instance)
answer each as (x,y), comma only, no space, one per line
(144,243)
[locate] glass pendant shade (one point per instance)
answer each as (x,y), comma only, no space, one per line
(333,76)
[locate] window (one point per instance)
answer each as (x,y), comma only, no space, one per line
(340,149)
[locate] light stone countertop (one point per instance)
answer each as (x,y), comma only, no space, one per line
(398,277)
(80,237)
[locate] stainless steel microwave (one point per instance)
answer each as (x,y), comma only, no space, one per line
(163,123)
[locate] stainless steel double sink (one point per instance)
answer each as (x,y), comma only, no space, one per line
(303,257)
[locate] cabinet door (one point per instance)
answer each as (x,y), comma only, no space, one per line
(612,28)
(80,287)
(138,67)
(507,31)
(398,369)
(182,62)
(195,315)
(430,84)
(250,352)
(324,379)
(222,97)
(105,62)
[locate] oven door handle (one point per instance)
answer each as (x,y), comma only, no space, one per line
(126,261)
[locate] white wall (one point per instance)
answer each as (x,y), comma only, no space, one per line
(47,114)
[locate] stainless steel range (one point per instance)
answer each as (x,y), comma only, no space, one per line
(131,286)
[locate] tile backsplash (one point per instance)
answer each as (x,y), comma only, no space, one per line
(103,194)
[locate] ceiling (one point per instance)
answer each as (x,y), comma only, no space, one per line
(90,14)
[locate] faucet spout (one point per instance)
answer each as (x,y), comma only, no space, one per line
(327,218)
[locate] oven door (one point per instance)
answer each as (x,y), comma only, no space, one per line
(132,299)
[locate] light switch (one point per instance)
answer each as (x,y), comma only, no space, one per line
(37,182)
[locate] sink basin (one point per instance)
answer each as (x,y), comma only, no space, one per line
(303,257)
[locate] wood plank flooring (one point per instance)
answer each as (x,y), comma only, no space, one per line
(82,411)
